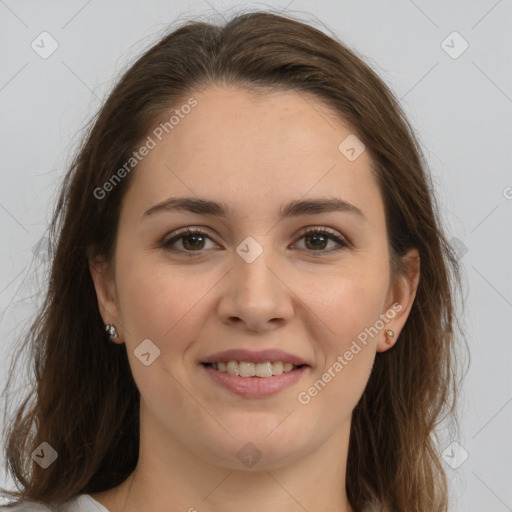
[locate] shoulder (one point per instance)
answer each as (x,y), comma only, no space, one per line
(24,506)
(81,503)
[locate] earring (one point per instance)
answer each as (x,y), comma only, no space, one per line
(112,331)
(389,334)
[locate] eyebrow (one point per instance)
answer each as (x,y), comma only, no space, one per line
(222,210)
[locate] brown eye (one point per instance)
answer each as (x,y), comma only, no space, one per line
(316,240)
(192,240)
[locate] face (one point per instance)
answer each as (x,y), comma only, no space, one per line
(260,279)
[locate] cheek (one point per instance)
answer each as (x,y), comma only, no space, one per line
(156,299)
(159,303)
(349,308)
(349,304)
(349,311)
(359,306)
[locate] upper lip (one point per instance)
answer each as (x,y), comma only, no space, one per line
(261,356)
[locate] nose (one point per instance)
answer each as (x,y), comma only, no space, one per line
(255,296)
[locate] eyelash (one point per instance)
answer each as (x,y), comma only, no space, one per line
(185,232)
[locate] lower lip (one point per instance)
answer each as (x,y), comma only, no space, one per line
(255,387)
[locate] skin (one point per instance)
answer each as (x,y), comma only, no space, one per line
(254,153)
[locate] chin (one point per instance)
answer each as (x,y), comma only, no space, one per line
(255,448)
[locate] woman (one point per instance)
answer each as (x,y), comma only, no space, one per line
(251,301)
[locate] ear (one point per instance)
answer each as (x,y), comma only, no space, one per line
(400,299)
(106,293)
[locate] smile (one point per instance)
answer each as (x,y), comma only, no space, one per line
(247,383)
(247,369)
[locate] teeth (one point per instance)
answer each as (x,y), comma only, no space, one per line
(233,368)
(277,368)
(263,370)
(246,369)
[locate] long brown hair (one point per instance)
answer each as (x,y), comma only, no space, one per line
(84,401)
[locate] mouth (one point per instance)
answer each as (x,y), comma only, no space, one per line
(254,375)
(247,369)
(253,380)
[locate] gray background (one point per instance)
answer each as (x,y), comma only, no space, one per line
(460,105)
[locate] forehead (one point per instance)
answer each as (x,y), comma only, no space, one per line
(251,151)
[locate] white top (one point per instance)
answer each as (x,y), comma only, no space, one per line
(81,503)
